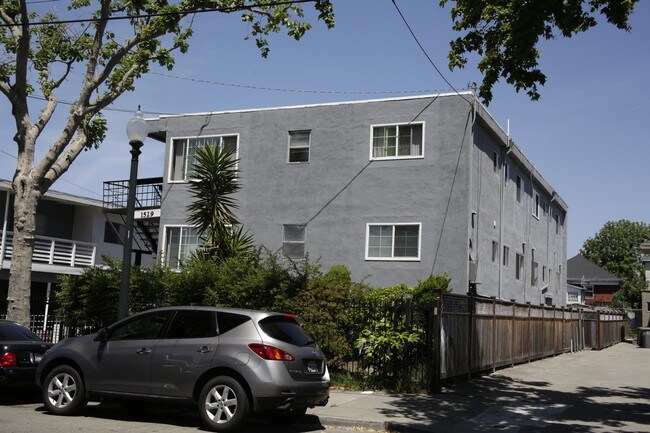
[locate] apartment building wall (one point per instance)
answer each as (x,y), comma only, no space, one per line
(454,192)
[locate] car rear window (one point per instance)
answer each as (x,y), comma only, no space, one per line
(287,329)
(15,332)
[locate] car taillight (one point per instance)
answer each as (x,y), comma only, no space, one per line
(8,359)
(271,353)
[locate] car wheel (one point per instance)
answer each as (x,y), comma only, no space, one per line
(63,391)
(223,404)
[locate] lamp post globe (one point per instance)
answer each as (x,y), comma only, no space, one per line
(136,130)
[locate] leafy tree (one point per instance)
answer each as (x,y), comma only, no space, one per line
(615,248)
(506,34)
(101,58)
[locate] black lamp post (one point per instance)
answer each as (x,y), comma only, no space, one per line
(136,130)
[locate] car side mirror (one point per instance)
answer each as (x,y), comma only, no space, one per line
(102,335)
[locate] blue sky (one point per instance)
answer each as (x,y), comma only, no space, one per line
(586,135)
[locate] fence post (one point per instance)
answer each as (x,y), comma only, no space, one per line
(435,375)
(470,335)
(598,330)
(530,336)
(514,331)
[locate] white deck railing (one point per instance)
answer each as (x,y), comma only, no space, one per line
(53,251)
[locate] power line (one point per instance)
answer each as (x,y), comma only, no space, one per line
(121,110)
(158,14)
(425,52)
(277,89)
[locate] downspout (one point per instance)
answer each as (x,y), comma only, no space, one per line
(504,155)
(548,242)
(529,209)
(472,288)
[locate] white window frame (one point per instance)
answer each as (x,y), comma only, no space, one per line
(506,173)
(495,252)
(394,258)
(165,253)
(535,204)
(398,125)
(521,189)
(496,162)
(303,242)
(519,267)
(308,146)
(506,256)
(170,163)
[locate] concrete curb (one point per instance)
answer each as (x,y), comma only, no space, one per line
(387,426)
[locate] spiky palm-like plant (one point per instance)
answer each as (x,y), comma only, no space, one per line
(214,182)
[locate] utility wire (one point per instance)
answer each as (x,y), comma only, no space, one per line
(276,89)
(158,14)
(121,110)
(425,52)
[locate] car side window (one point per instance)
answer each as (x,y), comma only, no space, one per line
(193,324)
(229,321)
(147,327)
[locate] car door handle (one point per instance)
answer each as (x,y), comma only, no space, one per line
(143,351)
(204,349)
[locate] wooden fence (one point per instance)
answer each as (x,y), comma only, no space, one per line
(479,334)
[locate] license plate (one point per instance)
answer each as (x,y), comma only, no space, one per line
(312,367)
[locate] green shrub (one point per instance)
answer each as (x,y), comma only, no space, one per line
(427,291)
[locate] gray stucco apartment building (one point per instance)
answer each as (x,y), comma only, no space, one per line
(395,189)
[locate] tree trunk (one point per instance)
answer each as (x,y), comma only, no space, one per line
(20,277)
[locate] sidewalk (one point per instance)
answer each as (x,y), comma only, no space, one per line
(589,391)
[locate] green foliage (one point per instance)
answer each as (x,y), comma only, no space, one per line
(506,34)
(615,248)
(428,291)
(390,294)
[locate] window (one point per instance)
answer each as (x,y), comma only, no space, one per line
(543,274)
(299,146)
(495,162)
(520,189)
(536,204)
(534,269)
(184,153)
(114,232)
(229,321)
(589,291)
(506,256)
(180,243)
(293,241)
(147,327)
(506,173)
(393,242)
(397,141)
(519,267)
(648,307)
(572,297)
(193,324)
(495,252)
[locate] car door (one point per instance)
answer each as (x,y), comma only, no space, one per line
(123,362)
(184,353)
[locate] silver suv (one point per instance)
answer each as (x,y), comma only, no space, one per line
(229,362)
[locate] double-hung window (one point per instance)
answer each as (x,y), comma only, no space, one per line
(520,189)
(397,141)
(180,243)
(393,241)
(536,204)
(299,142)
(293,241)
(183,157)
(519,267)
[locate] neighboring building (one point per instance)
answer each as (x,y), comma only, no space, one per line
(645,308)
(598,284)
(72,233)
(575,296)
(395,189)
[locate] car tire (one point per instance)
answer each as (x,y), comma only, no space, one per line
(223,404)
(63,391)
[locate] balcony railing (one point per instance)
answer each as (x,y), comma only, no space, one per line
(53,251)
(148,193)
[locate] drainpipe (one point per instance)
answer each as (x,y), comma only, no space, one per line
(548,241)
(504,155)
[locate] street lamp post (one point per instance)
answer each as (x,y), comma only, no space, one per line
(136,130)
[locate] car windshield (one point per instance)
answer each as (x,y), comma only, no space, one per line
(16,332)
(287,329)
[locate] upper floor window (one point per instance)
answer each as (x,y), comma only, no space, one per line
(506,173)
(520,189)
(180,243)
(393,242)
(495,162)
(299,146)
(397,141)
(495,252)
(519,266)
(536,204)
(183,156)
(293,241)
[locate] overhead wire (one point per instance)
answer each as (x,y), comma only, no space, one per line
(158,14)
(417,41)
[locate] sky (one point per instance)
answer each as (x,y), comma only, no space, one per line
(586,134)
